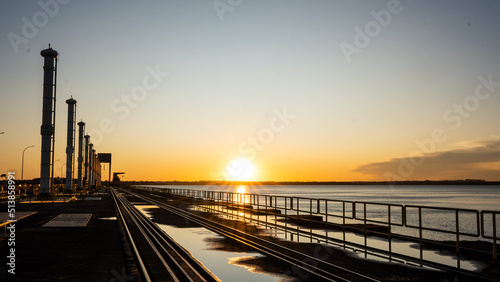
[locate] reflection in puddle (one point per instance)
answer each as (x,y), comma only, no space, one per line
(219,262)
(241,261)
(227,260)
(108,218)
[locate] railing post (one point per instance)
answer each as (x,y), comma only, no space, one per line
(244,207)
(298,226)
(265,197)
(389,239)
(457,231)
(343,222)
(494,236)
(286,215)
(364,224)
(310,219)
(258,208)
(326,221)
(276,214)
(420,231)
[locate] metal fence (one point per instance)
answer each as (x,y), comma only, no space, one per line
(324,219)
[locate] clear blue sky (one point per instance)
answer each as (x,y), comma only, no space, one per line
(234,70)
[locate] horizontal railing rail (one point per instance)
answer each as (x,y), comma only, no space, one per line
(456,214)
(390,212)
(301,215)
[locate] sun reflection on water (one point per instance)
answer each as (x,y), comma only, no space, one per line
(241,189)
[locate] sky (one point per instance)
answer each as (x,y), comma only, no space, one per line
(301,90)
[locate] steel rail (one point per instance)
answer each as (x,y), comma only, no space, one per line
(143,271)
(148,236)
(179,264)
(180,255)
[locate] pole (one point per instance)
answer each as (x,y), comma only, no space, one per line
(62,169)
(22,165)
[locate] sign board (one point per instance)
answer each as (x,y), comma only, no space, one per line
(104,157)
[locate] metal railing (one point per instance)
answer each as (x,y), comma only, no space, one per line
(316,218)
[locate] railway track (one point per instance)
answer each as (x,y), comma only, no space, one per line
(311,267)
(158,257)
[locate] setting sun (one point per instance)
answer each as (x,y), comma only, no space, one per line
(241,169)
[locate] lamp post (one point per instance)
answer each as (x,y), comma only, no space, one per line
(22,165)
(62,169)
(22,168)
(52,177)
(61,179)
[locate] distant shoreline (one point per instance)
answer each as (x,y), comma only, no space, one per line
(424,182)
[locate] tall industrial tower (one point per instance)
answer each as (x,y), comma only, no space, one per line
(48,117)
(81,130)
(70,145)
(86,170)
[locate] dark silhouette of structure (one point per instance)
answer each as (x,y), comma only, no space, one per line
(81,129)
(70,145)
(48,119)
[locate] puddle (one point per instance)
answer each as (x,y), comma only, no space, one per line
(407,248)
(228,262)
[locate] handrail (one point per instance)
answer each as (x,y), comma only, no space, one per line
(455,210)
(309,210)
(389,213)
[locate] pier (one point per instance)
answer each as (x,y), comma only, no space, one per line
(107,233)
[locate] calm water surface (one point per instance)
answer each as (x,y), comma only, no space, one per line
(477,197)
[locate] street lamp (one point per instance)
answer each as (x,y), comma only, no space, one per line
(62,169)
(22,166)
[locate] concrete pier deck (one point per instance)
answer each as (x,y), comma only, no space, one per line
(89,249)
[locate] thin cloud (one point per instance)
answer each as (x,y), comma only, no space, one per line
(478,142)
(478,160)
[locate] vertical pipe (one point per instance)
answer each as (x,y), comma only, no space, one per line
(93,169)
(86,170)
(97,171)
(89,185)
(69,145)
(109,172)
(81,129)
(47,128)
